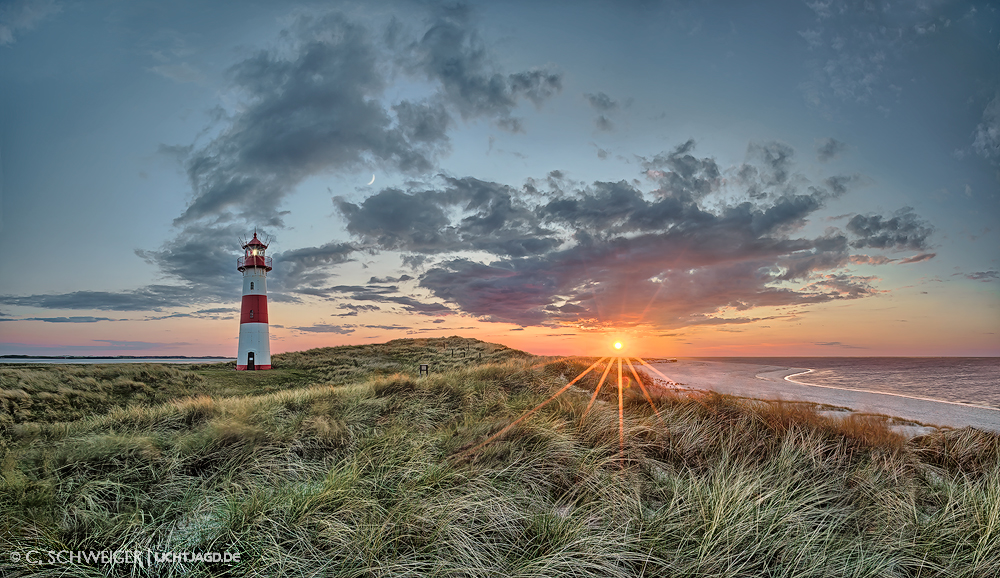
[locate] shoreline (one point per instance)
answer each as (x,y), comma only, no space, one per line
(772,383)
(788,378)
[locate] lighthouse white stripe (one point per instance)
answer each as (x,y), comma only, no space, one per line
(254,337)
(259,279)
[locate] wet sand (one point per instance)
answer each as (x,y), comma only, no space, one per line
(772,382)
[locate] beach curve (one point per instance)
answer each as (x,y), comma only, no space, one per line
(770,382)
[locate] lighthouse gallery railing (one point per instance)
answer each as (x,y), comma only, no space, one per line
(255,261)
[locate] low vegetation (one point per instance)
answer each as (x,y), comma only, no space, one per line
(345,462)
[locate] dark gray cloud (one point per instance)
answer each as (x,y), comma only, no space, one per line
(377,294)
(681,254)
(311,106)
(203,257)
(215,313)
(493,219)
(601,102)
(682,175)
(17,16)
(669,257)
(776,160)
(316,103)
(356,308)
(451,53)
(604,105)
(830,149)
(409,304)
(841,184)
(324,328)
(149,298)
(986,276)
(81,319)
(384,280)
(870,260)
(837,344)
(309,266)
(904,230)
(918,258)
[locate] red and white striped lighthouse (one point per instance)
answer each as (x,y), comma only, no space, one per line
(255,348)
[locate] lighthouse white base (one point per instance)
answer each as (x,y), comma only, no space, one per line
(254,339)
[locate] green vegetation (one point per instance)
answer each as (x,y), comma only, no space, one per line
(343,462)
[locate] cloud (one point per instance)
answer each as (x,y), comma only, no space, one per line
(310,266)
(604,105)
(137,345)
(316,104)
(918,258)
(149,298)
(905,230)
(308,107)
(682,254)
(409,304)
(203,257)
(18,16)
(830,149)
(378,294)
(354,309)
(680,174)
(494,219)
(837,344)
(324,328)
(601,102)
(215,313)
(986,138)
(451,53)
(383,280)
(82,319)
(869,260)
(840,184)
(985,276)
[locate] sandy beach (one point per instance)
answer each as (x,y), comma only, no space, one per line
(772,382)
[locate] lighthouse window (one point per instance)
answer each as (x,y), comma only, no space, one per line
(251,314)
(251,285)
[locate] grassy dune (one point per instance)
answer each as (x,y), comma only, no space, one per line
(342,462)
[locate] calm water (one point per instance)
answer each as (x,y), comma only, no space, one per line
(973,380)
(134,360)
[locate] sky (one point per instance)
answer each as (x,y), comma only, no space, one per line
(693,178)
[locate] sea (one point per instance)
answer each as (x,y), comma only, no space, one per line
(971,380)
(93,360)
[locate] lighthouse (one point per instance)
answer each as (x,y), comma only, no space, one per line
(255,349)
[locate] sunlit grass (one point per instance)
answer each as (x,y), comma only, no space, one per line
(367,471)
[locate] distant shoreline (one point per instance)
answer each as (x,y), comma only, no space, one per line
(113,357)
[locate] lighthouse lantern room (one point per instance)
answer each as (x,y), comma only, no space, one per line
(255,349)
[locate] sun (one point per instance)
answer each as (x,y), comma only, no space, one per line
(609,363)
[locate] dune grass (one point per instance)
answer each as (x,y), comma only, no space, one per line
(352,465)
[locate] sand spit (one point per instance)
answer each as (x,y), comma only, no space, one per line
(914,416)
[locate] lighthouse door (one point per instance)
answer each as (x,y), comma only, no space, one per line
(250,365)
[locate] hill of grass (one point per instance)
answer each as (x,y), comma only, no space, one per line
(344,462)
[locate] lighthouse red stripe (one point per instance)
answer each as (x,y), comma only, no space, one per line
(258,305)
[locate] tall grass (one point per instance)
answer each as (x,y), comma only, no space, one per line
(370,476)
